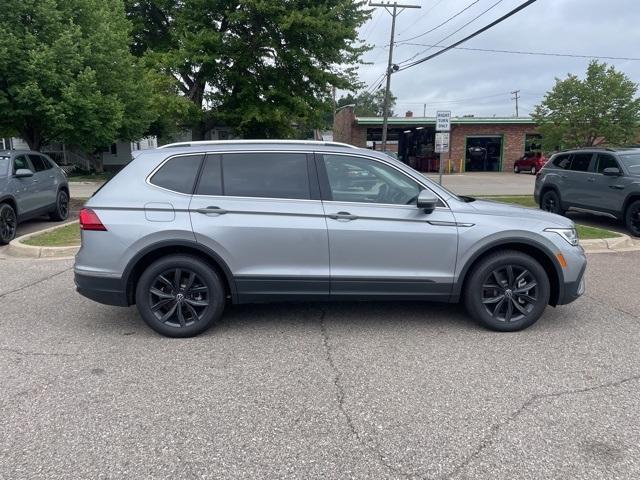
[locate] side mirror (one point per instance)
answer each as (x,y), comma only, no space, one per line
(23,173)
(427,201)
(611,172)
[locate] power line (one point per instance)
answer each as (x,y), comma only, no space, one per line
(459,100)
(469,37)
(423,15)
(402,41)
(456,31)
(523,52)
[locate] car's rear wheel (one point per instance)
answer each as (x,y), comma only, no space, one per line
(533,170)
(180,296)
(632,218)
(507,291)
(8,223)
(61,212)
(516,169)
(550,202)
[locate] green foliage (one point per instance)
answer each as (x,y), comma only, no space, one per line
(369,104)
(66,73)
(601,108)
(259,66)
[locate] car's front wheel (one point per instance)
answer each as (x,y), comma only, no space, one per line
(61,212)
(550,202)
(8,223)
(632,218)
(516,169)
(507,291)
(533,170)
(180,296)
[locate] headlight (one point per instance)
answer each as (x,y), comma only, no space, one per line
(569,234)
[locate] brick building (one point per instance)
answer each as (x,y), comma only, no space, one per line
(477,144)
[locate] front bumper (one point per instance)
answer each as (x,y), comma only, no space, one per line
(105,290)
(571,291)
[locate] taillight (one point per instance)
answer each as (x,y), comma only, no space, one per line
(89,220)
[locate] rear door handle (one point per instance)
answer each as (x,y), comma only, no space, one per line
(212,210)
(343,216)
(616,187)
(591,179)
(564,177)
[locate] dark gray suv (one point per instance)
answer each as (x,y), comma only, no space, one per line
(31,184)
(601,180)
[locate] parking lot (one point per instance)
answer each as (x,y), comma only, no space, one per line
(368,390)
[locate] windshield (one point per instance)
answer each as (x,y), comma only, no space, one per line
(632,162)
(4,165)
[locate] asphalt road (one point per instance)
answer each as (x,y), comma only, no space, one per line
(354,390)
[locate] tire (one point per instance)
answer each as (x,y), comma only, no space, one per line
(632,218)
(533,170)
(8,223)
(550,202)
(61,212)
(503,301)
(180,309)
(516,169)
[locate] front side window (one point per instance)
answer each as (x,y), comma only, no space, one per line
(353,179)
(581,161)
(178,174)
(605,161)
(632,162)
(267,175)
(20,162)
(562,161)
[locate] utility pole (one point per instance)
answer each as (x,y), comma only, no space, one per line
(516,97)
(424,110)
(390,67)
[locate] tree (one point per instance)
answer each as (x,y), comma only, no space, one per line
(601,108)
(66,73)
(369,104)
(259,66)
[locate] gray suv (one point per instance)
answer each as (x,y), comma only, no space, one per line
(31,184)
(182,231)
(601,180)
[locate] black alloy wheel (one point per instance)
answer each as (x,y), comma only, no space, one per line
(8,224)
(516,169)
(61,211)
(510,293)
(550,202)
(533,170)
(632,218)
(180,295)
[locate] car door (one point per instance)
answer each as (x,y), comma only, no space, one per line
(607,193)
(262,213)
(380,243)
(25,188)
(45,180)
(577,179)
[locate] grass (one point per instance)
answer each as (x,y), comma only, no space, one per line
(66,236)
(584,232)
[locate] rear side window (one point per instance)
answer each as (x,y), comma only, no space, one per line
(581,161)
(211,177)
(178,174)
(562,161)
(270,175)
(606,161)
(39,163)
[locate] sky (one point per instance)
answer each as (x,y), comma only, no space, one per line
(479,83)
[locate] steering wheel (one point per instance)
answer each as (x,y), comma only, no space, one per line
(383,191)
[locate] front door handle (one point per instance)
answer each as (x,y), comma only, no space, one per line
(591,179)
(564,177)
(617,187)
(343,216)
(212,210)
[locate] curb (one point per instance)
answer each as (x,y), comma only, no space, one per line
(18,249)
(623,243)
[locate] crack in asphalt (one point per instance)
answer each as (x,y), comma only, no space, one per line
(490,439)
(340,397)
(618,309)
(49,277)
(44,354)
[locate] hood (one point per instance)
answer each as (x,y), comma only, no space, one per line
(489,207)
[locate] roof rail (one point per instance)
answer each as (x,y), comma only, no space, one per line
(256,142)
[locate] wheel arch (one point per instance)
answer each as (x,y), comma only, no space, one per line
(9,200)
(537,251)
(153,252)
(632,197)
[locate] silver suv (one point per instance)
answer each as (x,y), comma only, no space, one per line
(31,184)
(604,180)
(181,231)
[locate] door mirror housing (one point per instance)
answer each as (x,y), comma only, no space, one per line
(427,201)
(611,172)
(23,173)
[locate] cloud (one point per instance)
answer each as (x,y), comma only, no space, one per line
(583,27)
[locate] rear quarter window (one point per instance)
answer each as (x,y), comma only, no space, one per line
(178,174)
